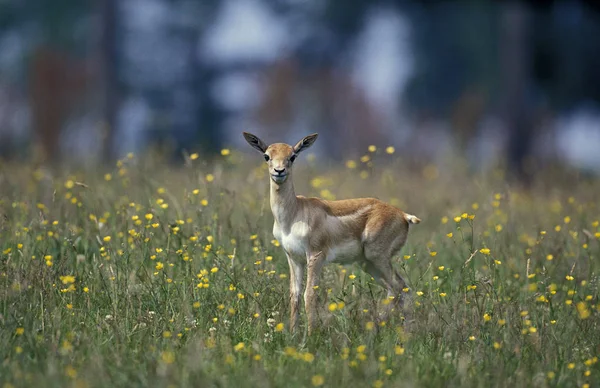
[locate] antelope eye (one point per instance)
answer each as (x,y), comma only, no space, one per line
(292,158)
(267,157)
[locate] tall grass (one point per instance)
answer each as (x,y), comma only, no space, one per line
(154,275)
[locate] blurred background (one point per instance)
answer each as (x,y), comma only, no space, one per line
(496,82)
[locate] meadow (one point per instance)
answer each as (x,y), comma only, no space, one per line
(167,275)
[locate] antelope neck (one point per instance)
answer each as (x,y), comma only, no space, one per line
(283,202)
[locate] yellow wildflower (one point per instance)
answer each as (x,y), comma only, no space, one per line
(317,380)
(239,346)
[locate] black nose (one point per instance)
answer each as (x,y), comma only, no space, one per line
(279,171)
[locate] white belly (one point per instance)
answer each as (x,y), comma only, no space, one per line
(296,245)
(345,252)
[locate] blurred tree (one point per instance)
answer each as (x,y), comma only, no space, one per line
(314,89)
(55,39)
(511,59)
(515,44)
(472,58)
(566,52)
(162,64)
(109,67)
(57,84)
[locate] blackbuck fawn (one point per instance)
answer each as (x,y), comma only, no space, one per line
(314,232)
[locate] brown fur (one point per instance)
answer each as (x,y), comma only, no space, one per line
(314,232)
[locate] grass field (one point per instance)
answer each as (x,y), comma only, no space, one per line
(152,275)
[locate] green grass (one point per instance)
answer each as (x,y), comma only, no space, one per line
(95,293)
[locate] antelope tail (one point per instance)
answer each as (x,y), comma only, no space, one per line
(411,219)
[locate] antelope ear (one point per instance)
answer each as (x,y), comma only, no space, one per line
(305,143)
(255,142)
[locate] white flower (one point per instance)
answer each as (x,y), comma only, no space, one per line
(268,337)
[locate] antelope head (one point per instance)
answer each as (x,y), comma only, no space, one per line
(280,157)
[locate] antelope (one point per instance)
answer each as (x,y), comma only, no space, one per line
(314,232)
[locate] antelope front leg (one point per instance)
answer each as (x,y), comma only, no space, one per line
(296,277)
(315,264)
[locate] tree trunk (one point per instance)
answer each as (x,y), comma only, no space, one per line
(108,78)
(516,67)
